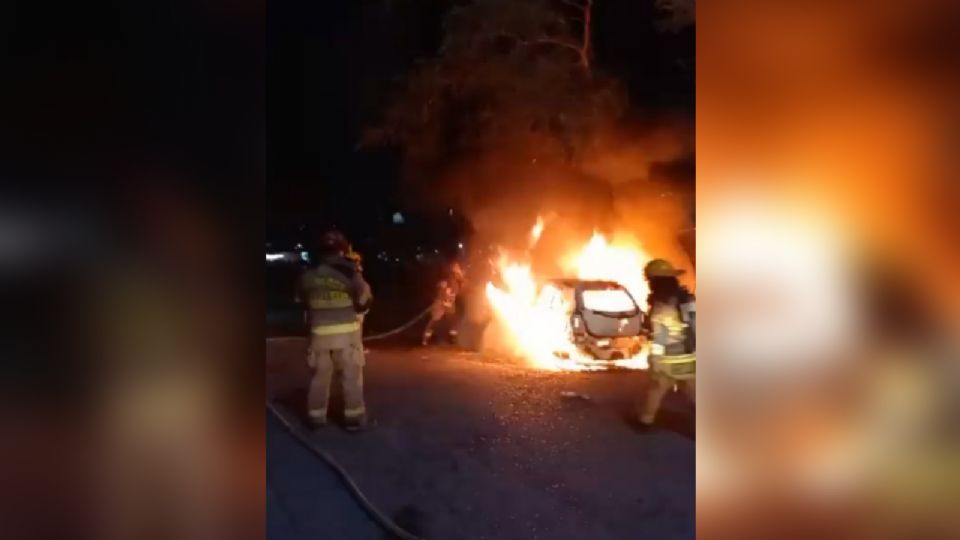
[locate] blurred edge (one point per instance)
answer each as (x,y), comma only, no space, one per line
(131,233)
(829,275)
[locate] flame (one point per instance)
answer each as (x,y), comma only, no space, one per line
(537,318)
(623,264)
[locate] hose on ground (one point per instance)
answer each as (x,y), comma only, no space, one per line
(382,520)
(399,329)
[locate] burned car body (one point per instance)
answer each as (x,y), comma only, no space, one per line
(603,320)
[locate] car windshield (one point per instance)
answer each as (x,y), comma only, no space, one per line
(610,300)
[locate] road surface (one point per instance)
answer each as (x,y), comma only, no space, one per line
(473,447)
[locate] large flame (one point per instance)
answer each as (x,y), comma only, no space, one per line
(621,263)
(536,317)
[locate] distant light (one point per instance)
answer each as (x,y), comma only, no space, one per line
(275,256)
(305,256)
(450,211)
(398,218)
(298,247)
(460,245)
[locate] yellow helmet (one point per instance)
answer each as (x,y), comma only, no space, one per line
(660,268)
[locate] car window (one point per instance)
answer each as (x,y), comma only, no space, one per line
(608,300)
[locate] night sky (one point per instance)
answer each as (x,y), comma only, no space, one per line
(332,64)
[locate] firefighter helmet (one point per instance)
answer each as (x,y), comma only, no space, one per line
(660,268)
(333,241)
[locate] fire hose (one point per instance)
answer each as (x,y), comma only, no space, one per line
(378,517)
(382,520)
(399,328)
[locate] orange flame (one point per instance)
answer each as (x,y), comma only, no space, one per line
(621,263)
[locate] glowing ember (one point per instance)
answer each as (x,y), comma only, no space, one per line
(537,231)
(538,319)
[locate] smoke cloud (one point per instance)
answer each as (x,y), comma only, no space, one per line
(628,183)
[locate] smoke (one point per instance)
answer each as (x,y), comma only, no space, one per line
(627,182)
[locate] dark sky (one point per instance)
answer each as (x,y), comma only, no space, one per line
(329,68)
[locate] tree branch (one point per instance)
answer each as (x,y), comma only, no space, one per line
(583,47)
(585,51)
(550,40)
(583,58)
(558,41)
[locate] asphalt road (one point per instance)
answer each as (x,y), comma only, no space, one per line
(472,447)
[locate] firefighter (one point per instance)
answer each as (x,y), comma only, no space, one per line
(444,303)
(672,326)
(336,294)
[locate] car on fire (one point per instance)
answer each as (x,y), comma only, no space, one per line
(602,319)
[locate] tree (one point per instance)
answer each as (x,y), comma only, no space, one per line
(582,46)
(505,69)
(678,14)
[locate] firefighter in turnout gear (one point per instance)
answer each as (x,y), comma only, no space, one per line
(672,326)
(335,293)
(444,303)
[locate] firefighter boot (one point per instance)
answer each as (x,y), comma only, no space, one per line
(356,424)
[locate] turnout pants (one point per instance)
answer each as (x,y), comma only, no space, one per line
(326,355)
(439,312)
(660,385)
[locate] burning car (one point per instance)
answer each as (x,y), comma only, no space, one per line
(587,321)
(602,320)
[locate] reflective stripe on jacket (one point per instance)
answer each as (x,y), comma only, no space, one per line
(334,329)
(332,297)
(668,347)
